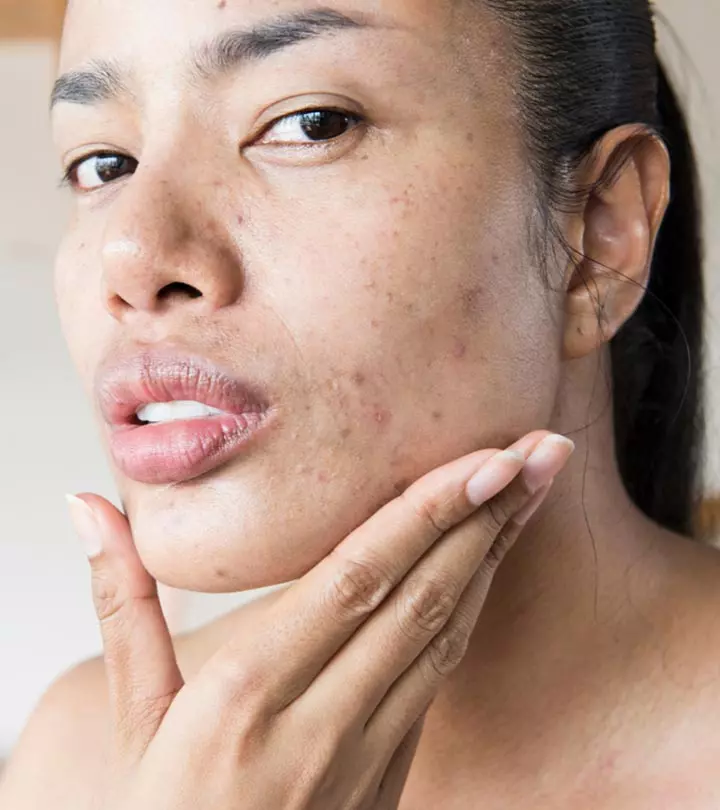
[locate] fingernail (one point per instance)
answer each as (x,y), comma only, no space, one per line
(86,525)
(537,500)
(493,476)
(547,460)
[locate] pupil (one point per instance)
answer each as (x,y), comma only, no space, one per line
(108,166)
(324,124)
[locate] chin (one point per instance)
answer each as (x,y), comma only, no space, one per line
(222,535)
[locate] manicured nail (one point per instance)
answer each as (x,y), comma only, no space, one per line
(547,460)
(537,500)
(493,476)
(86,525)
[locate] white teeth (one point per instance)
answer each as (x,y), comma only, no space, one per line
(174,411)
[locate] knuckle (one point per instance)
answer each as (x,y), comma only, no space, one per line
(499,512)
(358,588)
(426,604)
(446,651)
(108,596)
(496,553)
(434,513)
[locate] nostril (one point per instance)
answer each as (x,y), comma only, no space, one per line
(179,289)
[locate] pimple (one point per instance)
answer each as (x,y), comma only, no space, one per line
(222,3)
(459,349)
(381,416)
(323,477)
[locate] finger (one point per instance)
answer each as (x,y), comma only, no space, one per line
(410,693)
(389,642)
(397,771)
(142,672)
(323,609)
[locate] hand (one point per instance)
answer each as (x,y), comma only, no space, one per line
(321,705)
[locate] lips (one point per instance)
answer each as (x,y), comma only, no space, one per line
(177,451)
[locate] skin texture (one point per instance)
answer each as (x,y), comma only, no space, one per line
(384,296)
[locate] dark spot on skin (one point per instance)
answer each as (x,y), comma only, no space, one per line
(345,432)
(495,259)
(471,301)
(437,415)
(323,477)
(410,308)
(222,3)
(374,323)
(459,349)
(358,378)
(469,137)
(401,485)
(381,416)
(221,573)
(390,297)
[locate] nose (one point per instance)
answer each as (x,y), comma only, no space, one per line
(164,250)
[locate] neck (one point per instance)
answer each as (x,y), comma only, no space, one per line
(557,626)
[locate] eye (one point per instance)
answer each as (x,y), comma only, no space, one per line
(93,171)
(310,126)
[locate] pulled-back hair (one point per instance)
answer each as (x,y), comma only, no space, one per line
(583,68)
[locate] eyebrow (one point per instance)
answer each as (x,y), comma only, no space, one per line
(102,80)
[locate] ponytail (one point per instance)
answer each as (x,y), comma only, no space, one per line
(657,358)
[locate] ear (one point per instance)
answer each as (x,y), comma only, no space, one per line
(615,237)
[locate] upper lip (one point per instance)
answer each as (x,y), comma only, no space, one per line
(160,376)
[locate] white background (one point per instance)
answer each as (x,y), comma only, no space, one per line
(47,440)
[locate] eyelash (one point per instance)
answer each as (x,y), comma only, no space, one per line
(354,119)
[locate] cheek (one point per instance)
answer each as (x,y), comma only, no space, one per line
(79,304)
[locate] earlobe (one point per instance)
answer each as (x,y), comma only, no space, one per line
(620,222)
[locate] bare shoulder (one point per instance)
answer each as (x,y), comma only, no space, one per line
(61,758)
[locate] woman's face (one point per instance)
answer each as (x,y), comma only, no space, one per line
(364,270)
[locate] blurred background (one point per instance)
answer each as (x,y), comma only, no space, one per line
(48,444)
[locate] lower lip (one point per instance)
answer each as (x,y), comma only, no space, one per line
(173,452)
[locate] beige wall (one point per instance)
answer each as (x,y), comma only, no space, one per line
(48,445)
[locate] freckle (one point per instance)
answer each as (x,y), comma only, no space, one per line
(459,349)
(345,432)
(471,299)
(437,415)
(358,378)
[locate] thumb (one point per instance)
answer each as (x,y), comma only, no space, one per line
(141,668)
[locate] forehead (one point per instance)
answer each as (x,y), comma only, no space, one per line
(132,30)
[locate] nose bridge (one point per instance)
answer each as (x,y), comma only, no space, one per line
(159,233)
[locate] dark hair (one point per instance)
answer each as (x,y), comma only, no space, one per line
(585,67)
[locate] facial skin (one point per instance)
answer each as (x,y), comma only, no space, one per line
(378,287)
(375,286)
